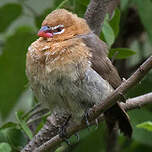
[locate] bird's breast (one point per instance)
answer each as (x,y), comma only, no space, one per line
(55,70)
(62,58)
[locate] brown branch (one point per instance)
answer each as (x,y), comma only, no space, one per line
(130,104)
(137,102)
(95,15)
(122,89)
(47,132)
(96,12)
(105,104)
(112,5)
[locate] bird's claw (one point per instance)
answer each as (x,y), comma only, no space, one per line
(62,134)
(86,115)
(97,123)
(77,136)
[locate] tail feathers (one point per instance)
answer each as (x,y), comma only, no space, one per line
(118,115)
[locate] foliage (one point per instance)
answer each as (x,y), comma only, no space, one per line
(12,11)
(15,97)
(144,10)
(121,53)
(146,125)
(5,147)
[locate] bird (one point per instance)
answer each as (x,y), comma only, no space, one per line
(69,70)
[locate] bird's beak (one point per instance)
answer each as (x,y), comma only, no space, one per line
(45,32)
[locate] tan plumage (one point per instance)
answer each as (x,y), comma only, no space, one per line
(72,23)
(68,67)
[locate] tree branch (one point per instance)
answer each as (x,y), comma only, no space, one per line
(105,104)
(95,15)
(96,12)
(137,102)
(47,132)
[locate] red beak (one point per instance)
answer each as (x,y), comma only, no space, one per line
(45,32)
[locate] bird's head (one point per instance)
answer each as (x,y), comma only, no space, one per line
(62,25)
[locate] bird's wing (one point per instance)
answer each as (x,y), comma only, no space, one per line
(103,66)
(100,62)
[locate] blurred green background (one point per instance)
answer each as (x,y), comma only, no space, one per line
(128,33)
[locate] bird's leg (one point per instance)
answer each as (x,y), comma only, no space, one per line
(62,130)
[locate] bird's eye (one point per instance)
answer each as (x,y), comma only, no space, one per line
(59,29)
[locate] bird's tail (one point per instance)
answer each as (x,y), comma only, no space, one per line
(116,114)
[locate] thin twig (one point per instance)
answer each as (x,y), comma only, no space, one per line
(137,102)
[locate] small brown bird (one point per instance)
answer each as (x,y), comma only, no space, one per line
(69,70)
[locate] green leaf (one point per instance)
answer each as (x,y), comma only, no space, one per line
(138,116)
(146,125)
(12,68)
(8,13)
(120,53)
(8,125)
(145,9)
(3,135)
(124,4)
(114,23)
(80,7)
(23,125)
(108,33)
(16,138)
(5,147)
(57,3)
(133,146)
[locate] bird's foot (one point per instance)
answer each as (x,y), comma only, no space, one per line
(97,123)
(77,136)
(86,115)
(122,97)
